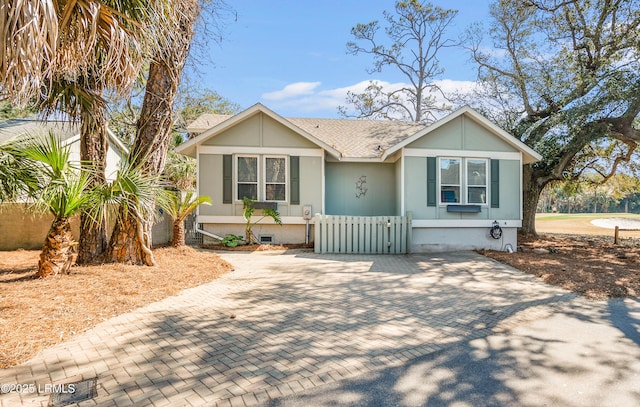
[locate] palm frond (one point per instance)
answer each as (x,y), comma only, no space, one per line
(135,191)
(16,176)
(50,155)
(183,203)
(60,185)
(49,40)
(28,46)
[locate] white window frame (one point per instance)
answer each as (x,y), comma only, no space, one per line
(235,174)
(468,185)
(464,182)
(286,178)
(440,185)
(261,173)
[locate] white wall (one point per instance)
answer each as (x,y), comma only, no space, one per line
(428,240)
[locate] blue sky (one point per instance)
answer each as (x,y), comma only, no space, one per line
(291,55)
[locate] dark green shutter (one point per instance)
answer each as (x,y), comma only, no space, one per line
(294,172)
(431,181)
(227,179)
(495,183)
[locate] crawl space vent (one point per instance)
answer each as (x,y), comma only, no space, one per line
(266,238)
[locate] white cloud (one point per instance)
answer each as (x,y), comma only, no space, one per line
(292,90)
(305,98)
(449,86)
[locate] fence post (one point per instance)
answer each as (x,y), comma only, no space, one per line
(616,235)
(409,231)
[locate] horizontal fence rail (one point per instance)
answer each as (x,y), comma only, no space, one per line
(618,229)
(362,234)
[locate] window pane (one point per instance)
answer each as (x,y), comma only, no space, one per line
(248,191)
(478,195)
(450,195)
(275,192)
(247,169)
(450,171)
(476,172)
(275,170)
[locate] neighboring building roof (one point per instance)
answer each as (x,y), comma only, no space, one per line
(19,127)
(67,131)
(348,139)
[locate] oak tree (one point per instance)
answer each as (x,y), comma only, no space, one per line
(564,78)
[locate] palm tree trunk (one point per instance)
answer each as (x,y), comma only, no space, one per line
(178,233)
(57,250)
(93,153)
(154,128)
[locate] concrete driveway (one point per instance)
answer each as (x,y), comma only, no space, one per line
(446,329)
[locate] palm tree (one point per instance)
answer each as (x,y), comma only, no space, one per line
(75,51)
(153,133)
(181,172)
(61,191)
(60,186)
(132,199)
(119,35)
(181,204)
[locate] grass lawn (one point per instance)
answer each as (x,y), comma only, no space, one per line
(580,223)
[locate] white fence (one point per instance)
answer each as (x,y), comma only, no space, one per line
(362,234)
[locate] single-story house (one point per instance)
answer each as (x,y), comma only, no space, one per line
(458,181)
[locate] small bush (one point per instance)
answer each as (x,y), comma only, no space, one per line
(231,240)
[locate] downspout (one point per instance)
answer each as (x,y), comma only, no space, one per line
(204,232)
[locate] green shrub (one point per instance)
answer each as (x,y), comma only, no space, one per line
(231,240)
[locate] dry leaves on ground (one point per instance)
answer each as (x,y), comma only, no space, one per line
(38,313)
(587,265)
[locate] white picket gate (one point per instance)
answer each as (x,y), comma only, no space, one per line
(362,234)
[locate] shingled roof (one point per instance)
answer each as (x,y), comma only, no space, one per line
(352,138)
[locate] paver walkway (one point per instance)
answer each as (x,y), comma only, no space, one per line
(301,321)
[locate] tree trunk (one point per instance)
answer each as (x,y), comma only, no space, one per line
(131,244)
(153,130)
(178,233)
(93,153)
(57,250)
(531,190)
